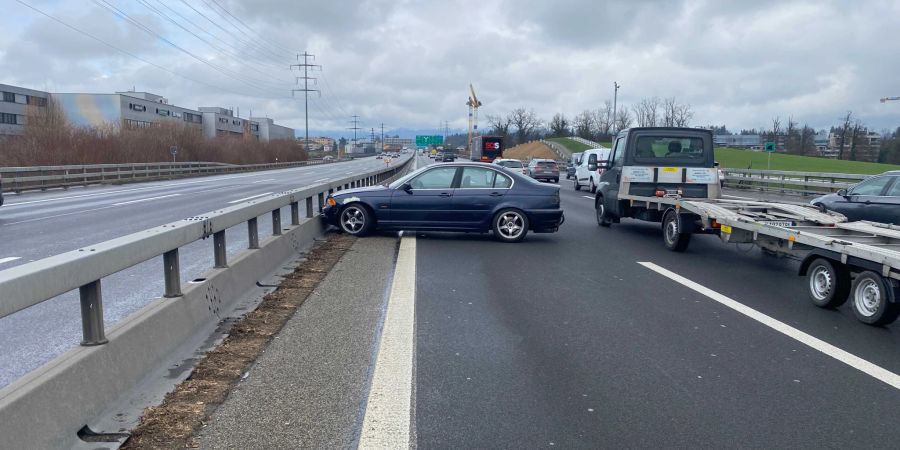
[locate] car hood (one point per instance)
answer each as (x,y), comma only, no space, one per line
(827,198)
(368,191)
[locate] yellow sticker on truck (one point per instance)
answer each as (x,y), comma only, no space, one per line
(726,229)
(671,169)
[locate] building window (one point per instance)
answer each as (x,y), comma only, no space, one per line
(8,119)
(129,123)
(194,118)
(9,97)
(223,120)
(135,107)
(236,122)
(35,101)
(162,112)
(254,127)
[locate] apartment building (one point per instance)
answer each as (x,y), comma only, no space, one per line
(15,105)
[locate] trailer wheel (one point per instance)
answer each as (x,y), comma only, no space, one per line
(829,283)
(873,299)
(674,239)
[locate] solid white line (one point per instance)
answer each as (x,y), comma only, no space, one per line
(248,198)
(261,181)
(11,258)
(319,181)
(588,196)
(388,416)
(145,199)
(845,357)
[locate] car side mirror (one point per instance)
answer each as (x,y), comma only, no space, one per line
(842,192)
(716,164)
(592,166)
(406,187)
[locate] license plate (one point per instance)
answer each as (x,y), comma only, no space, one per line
(778,223)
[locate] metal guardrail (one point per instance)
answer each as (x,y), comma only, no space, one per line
(83,269)
(804,183)
(584,141)
(18,179)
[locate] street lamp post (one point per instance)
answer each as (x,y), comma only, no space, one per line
(616,87)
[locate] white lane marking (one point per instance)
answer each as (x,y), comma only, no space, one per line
(248,198)
(349,173)
(145,199)
(9,259)
(82,211)
(319,181)
(877,372)
(588,196)
(389,412)
(261,181)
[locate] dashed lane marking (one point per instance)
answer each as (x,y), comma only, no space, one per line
(263,181)
(588,196)
(141,200)
(9,259)
(877,372)
(248,198)
(389,410)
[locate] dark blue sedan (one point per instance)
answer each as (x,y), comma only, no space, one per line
(876,199)
(450,197)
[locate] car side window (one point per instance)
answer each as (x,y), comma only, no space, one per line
(618,152)
(894,191)
(477,178)
(502,182)
(439,178)
(873,186)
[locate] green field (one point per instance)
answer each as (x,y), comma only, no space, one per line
(734,158)
(574,146)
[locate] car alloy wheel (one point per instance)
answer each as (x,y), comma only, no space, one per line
(511,225)
(353,220)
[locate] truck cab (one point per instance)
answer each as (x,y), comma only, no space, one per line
(650,165)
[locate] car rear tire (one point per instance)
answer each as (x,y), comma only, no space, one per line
(593,186)
(602,214)
(873,299)
(829,284)
(510,225)
(355,219)
(673,238)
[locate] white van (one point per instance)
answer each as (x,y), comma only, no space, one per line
(585,177)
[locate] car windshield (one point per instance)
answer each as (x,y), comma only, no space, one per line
(511,164)
(668,150)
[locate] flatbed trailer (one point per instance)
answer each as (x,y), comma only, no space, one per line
(841,260)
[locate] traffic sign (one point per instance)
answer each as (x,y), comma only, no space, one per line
(770,147)
(425,140)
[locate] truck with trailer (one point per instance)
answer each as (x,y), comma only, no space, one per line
(669,176)
(486,148)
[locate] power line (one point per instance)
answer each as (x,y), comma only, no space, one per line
(261,38)
(125,52)
(306,90)
(355,126)
(237,27)
(252,45)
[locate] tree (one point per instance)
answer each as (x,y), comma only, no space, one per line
(807,141)
(525,123)
(499,124)
(583,125)
(602,122)
(623,119)
(559,125)
(854,139)
(646,112)
(676,114)
(791,141)
(843,130)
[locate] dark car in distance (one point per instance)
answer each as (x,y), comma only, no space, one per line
(465,196)
(876,199)
(448,157)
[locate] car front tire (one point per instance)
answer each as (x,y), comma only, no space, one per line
(510,225)
(355,220)
(577,186)
(593,186)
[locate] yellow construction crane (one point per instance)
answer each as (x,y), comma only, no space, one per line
(473,105)
(890,99)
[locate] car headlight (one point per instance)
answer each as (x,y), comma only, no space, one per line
(330,201)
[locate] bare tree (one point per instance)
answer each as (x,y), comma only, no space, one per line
(623,119)
(675,114)
(499,124)
(525,123)
(683,115)
(559,125)
(603,121)
(646,112)
(790,140)
(857,129)
(584,125)
(807,141)
(845,127)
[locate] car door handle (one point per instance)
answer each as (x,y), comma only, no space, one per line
(445,195)
(496,194)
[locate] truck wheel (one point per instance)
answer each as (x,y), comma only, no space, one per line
(829,284)
(603,218)
(577,186)
(593,186)
(674,239)
(873,299)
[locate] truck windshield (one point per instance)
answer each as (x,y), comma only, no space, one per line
(664,150)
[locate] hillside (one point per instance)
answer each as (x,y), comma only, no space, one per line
(734,158)
(530,150)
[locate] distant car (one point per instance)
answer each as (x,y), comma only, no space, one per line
(379,156)
(573,162)
(448,157)
(586,177)
(328,158)
(876,199)
(513,165)
(544,169)
(465,196)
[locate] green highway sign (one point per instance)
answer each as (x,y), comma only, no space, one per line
(770,147)
(424,141)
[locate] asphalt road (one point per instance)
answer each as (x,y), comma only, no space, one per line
(566,341)
(41,224)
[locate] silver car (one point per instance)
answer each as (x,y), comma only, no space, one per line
(544,169)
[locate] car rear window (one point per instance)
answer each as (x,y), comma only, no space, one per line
(512,164)
(666,150)
(547,165)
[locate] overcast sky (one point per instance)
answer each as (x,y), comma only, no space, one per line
(408,63)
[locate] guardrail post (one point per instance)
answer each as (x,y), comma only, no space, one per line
(219,250)
(295,213)
(84,175)
(92,332)
(321,201)
(253,233)
(309,207)
(172,271)
(276,222)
